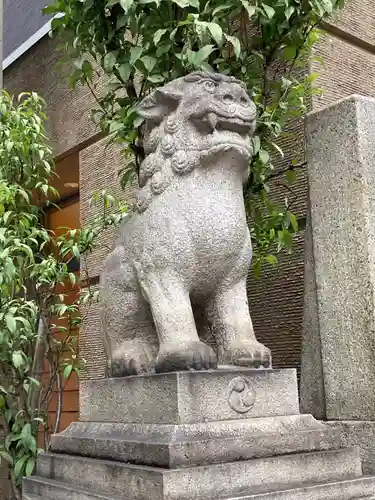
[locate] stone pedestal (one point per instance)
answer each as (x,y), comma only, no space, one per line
(338,369)
(198,435)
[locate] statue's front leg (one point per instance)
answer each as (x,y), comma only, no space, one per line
(234,331)
(180,347)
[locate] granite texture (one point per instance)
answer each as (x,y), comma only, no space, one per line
(172,446)
(341,152)
(361,488)
(361,434)
(186,250)
(189,397)
(311,386)
(207,482)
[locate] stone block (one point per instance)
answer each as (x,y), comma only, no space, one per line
(362,435)
(189,397)
(199,483)
(173,446)
(340,341)
(349,489)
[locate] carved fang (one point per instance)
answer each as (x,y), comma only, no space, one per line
(212,120)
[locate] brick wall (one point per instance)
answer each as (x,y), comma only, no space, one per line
(276,300)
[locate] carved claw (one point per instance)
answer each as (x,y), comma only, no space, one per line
(190,356)
(250,354)
(133,359)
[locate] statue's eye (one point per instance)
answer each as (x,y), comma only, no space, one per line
(209,85)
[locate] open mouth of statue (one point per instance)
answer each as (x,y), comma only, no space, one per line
(225,138)
(222,147)
(226,132)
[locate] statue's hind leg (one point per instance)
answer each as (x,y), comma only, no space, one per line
(130,341)
(130,338)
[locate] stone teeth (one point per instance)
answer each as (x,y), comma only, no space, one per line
(212,120)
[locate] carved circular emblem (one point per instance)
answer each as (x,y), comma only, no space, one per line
(241,396)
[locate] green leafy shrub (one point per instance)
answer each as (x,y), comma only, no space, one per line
(141,44)
(38,349)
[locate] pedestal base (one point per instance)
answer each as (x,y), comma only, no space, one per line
(222,434)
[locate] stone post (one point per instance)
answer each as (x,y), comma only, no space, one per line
(338,368)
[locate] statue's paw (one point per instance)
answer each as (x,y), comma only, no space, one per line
(128,365)
(187,356)
(250,354)
(133,358)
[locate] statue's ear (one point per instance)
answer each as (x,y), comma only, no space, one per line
(160,103)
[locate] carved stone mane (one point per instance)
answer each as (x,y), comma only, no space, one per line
(173,147)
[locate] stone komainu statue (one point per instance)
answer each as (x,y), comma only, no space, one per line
(187,246)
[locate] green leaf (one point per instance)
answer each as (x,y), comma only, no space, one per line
(222,7)
(271,259)
(256,144)
(289,11)
(109,62)
(87,70)
(121,22)
(156,78)
(125,71)
(290,176)
(11,323)
(158,34)
(17,359)
(270,11)
(6,456)
(293,222)
(135,54)
(197,58)
(67,371)
(288,239)
(19,466)
(290,53)
(34,381)
(251,9)
(235,43)
(216,32)
(181,3)
(30,466)
(126,4)
(194,3)
(149,62)
(264,156)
